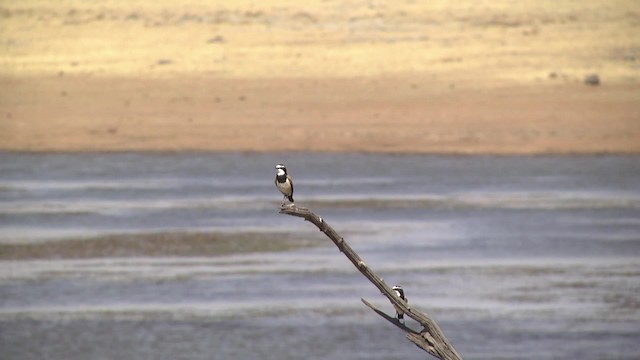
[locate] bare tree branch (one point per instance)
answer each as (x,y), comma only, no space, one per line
(430,338)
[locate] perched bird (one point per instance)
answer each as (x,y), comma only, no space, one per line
(400,293)
(284,183)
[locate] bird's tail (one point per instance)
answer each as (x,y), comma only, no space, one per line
(290,198)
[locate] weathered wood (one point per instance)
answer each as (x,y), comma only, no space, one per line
(389,318)
(430,338)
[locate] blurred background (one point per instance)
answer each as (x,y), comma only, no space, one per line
(483,155)
(385,76)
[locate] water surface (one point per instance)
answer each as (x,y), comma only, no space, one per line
(154,256)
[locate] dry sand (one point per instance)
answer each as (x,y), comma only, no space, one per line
(394,76)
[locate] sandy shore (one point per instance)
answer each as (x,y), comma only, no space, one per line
(317,76)
(391,115)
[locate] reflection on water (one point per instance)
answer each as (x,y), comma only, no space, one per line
(153,256)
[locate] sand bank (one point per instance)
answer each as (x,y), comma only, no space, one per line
(320,76)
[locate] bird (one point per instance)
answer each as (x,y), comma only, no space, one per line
(400,293)
(284,183)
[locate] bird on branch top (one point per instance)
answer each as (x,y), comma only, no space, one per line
(284,183)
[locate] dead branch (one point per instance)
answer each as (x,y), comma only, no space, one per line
(430,338)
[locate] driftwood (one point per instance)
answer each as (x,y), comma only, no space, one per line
(430,338)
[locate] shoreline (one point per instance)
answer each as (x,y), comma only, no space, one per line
(395,115)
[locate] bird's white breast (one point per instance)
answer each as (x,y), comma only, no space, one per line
(284,187)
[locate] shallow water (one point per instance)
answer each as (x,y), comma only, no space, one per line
(515,257)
